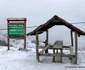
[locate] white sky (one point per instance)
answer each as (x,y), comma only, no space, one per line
(39,11)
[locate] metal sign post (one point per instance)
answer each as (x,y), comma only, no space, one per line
(17,29)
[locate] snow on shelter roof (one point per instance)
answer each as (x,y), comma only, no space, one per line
(55,20)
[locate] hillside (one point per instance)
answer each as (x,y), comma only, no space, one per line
(3,39)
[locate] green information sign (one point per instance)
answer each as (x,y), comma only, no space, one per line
(16,29)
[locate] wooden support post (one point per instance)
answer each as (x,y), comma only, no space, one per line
(8,35)
(8,44)
(56,51)
(61,54)
(53,56)
(46,41)
(47,37)
(37,47)
(76,45)
(25,36)
(71,38)
(25,43)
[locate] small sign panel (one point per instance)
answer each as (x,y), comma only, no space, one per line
(16,29)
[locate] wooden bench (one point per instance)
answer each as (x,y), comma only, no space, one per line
(44,49)
(72,54)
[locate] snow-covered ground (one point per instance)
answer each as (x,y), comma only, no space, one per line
(15,59)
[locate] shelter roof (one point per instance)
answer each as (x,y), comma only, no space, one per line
(55,20)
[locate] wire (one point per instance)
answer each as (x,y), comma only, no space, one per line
(79,23)
(31,26)
(37,26)
(3,29)
(26,27)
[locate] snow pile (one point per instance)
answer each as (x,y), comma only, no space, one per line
(30,44)
(15,42)
(3,37)
(41,44)
(20,43)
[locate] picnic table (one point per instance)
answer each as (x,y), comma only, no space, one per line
(57,49)
(58,45)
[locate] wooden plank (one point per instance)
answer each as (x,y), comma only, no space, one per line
(66,46)
(58,44)
(42,51)
(59,54)
(56,55)
(17,37)
(68,55)
(48,54)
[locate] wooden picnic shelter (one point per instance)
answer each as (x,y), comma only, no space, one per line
(58,45)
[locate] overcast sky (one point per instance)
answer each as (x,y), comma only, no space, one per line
(38,12)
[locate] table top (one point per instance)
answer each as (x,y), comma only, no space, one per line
(58,45)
